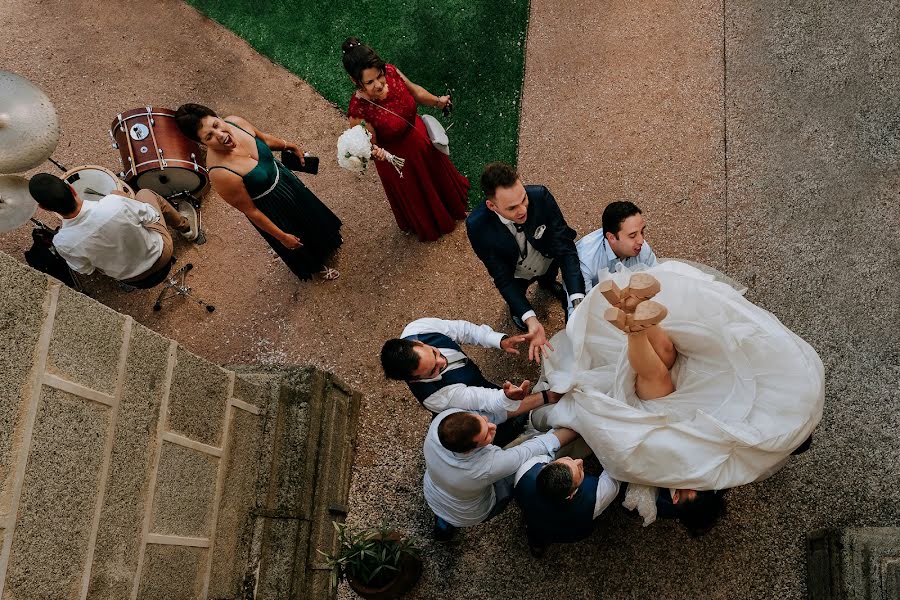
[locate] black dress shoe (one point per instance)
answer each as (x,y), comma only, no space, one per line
(537,550)
(519,323)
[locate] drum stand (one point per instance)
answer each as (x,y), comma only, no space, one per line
(177,283)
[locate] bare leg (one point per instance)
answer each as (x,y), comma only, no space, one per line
(653,377)
(662,344)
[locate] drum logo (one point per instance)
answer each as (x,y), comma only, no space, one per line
(139,132)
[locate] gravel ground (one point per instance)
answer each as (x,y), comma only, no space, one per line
(626,100)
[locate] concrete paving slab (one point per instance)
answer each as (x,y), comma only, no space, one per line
(23,307)
(197,399)
(59,493)
(173,573)
(249,392)
(185,489)
(233,527)
(86,342)
(121,520)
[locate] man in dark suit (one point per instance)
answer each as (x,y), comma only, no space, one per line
(520,235)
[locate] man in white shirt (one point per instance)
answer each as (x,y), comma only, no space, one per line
(621,240)
(468,480)
(123,238)
(428,357)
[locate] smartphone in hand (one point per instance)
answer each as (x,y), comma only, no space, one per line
(449,108)
(292,162)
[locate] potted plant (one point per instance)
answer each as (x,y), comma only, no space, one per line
(377,563)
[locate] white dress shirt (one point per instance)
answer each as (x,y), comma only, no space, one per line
(109,235)
(532,269)
(595,254)
(459,487)
(607,487)
(460,395)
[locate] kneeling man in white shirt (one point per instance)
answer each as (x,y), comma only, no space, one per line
(467,479)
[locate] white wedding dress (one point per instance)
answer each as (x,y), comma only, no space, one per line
(748,391)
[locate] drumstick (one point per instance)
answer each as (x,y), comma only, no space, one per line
(88,190)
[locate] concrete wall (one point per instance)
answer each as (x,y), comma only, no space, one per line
(129,468)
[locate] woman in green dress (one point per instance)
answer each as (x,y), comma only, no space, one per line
(243,171)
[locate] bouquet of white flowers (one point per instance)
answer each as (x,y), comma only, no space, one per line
(354,150)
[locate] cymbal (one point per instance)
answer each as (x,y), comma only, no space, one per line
(16,203)
(29,127)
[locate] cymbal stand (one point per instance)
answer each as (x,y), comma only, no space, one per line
(177,282)
(58,166)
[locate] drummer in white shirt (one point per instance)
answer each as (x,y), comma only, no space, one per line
(124,238)
(620,240)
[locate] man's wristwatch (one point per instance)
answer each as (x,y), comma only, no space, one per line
(546,396)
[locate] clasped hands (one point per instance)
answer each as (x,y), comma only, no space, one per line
(518,392)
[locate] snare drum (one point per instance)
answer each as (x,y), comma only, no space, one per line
(155,155)
(93,182)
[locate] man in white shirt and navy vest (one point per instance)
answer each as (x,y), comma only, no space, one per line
(428,356)
(559,500)
(123,238)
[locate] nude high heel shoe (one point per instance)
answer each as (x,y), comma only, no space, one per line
(647,314)
(641,286)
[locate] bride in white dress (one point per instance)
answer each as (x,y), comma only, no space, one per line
(747,391)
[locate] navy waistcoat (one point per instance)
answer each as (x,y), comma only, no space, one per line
(469,374)
(556,521)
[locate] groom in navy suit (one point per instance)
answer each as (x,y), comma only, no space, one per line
(520,235)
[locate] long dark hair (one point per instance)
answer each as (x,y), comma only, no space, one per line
(358,57)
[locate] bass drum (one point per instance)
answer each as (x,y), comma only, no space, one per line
(155,155)
(93,182)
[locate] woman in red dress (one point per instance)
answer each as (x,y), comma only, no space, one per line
(431,195)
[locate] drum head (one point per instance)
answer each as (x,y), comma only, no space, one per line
(92,182)
(170,181)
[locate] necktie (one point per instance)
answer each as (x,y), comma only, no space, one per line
(455,359)
(521,240)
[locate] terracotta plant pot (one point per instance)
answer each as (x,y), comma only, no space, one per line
(406,578)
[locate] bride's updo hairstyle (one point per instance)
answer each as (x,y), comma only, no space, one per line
(358,57)
(700,514)
(457,431)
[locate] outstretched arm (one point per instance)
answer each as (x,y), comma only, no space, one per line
(423,96)
(461,332)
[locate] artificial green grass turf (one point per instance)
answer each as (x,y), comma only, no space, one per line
(476,48)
